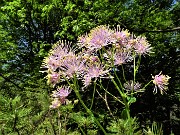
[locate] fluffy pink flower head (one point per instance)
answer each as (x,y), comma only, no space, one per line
(141,46)
(82,41)
(72,66)
(161,81)
(61,62)
(53,78)
(99,37)
(121,34)
(131,43)
(118,57)
(59,51)
(121,57)
(94,71)
(51,63)
(61,93)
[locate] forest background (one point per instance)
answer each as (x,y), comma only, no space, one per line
(29,28)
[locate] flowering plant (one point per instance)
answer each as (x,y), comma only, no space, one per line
(96,58)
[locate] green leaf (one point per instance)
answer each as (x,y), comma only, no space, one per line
(131,100)
(16,101)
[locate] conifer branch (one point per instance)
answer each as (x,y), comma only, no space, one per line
(8,80)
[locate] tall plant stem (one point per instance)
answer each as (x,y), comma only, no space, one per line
(136,67)
(147,84)
(123,97)
(127,108)
(123,73)
(101,86)
(134,75)
(92,101)
(59,122)
(76,90)
(82,131)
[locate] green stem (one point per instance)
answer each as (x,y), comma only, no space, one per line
(136,67)
(127,109)
(93,95)
(101,86)
(123,97)
(82,131)
(123,73)
(147,84)
(85,107)
(119,81)
(134,63)
(120,92)
(59,122)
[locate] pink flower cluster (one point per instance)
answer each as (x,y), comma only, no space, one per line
(59,96)
(96,39)
(101,49)
(98,52)
(161,82)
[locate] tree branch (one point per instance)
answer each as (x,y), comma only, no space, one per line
(166,30)
(7,79)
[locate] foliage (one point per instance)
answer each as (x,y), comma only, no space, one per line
(28,28)
(121,126)
(155,129)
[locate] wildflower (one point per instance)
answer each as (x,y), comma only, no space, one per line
(119,56)
(57,54)
(87,80)
(132,86)
(141,46)
(99,37)
(55,103)
(51,63)
(94,71)
(120,36)
(61,94)
(61,63)
(82,41)
(62,49)
(131,43)
(53,78)
(160,81)
(72,66)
